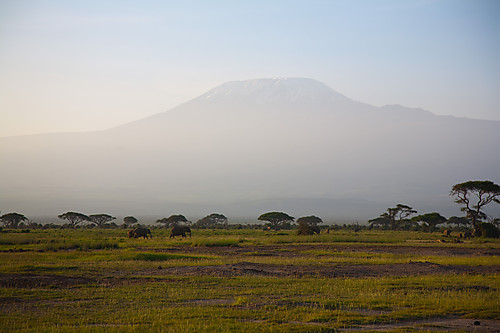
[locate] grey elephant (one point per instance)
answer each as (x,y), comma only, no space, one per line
(140,232)
(180,230)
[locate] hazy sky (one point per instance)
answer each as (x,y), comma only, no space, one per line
(87,65)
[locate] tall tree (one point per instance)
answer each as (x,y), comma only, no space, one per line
(212,221)
(394,217)
(473,196)
(129,220)
(430,220)
(12,220)
(100,219)
(308,225)
(172,220)
(277,220)
(310,220)
(73,218)
(461,221)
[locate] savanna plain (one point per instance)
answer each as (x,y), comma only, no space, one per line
(247,280)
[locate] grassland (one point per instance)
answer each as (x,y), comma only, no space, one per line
(246,281)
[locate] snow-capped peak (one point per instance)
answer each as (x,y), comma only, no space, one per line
(296,90)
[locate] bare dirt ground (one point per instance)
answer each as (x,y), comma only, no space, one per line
(286,250)
(435,325)
(333,269)
(41,281)
(299,250)
(324,270)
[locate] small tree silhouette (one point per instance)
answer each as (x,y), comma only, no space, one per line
(73,218)
(129,220)
(474,195)
(277,220)
(12,220)
(308,225)
(100,219)
(172,220)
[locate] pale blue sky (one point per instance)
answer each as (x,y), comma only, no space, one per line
(87,65)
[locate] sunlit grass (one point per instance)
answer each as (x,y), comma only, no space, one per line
(217,242)
(128,292)
(200,302)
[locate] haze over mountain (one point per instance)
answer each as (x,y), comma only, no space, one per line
(247,147)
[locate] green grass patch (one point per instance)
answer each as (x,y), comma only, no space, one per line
(79,245)
(127,292)
(217,242)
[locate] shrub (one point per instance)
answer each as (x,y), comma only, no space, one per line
(489,230)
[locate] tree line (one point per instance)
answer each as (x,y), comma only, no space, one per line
(472,196)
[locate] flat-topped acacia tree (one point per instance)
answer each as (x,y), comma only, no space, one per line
(100,219)
(474,195)
(308,225)
(394,218)
(73,218)
(212,221)
(173,220)
(12,220)
(277,220)
(129,220)
(430,220)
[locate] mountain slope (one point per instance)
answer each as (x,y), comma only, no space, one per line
(287,141)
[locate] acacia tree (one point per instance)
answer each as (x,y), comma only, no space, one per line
(308,225)
(73,218)
(100,219)
(430,220)
(474,195)
(277,220)
(12,220)
(394,217)
(212,221)
(129,220)
(461,221)
(172,220)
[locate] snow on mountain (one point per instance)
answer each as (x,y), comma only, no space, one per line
(267,91)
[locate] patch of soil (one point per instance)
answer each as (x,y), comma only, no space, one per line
(292,250)
(325,270)
(435,325)
(41,281)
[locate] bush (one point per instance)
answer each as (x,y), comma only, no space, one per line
(488,230)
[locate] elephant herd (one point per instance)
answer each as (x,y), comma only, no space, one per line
(178,230)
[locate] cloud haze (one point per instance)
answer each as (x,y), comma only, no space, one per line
(248,146)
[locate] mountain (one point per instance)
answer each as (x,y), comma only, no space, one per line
(247,147)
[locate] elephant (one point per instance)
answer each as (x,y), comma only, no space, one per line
(131,233)
(140,232)
(180,230)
